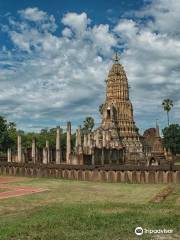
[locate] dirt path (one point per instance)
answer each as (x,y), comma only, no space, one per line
(16,191)
(13,179)
(162,195)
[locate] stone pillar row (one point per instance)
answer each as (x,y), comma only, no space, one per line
(46,149)
(68,143)
(93,139)
(19,149)
(58,146)
(79,149)
(90,141)
(33,153)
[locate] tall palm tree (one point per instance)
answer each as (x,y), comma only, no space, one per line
(167,105)
(88,124)
(101,108)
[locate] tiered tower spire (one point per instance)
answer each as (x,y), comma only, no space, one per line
(117,110)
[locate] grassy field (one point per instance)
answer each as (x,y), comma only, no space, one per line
(72,210)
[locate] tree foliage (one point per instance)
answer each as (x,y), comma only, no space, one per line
(167,105)
(8,137)
(172,138)
(101,108)
(88,125)
(7,134)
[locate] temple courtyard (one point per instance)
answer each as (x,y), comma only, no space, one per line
(66,209)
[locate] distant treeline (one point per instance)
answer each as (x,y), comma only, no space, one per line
(9,132)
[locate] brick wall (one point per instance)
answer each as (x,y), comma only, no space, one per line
(125,174)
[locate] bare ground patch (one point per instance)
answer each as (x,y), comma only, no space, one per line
(13,179)
(162,195)
(16,191)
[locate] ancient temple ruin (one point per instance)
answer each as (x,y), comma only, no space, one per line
(153,146)
(115,142)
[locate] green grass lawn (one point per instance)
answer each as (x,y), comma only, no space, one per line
(72,210)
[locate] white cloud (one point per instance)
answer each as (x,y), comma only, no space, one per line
(67,32)
(152,50)
(77,22)
(57,77)
(47,22)
(127,27)
(52,79)
(164,14)
(33,14)
(102,38)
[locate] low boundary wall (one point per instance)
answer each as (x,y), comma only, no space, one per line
(121,173)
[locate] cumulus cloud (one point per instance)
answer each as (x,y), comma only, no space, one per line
(126,27)
(164,16)
(33,14)
(151,53)
(102,38)
(67,32)
(77,22)
(54,78)
(39,17)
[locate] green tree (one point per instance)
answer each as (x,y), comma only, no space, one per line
(27,139)
(167,105)
(12,135)
(172,138)
(3,133)
(46,134)
(7,134)
(137,129)
(101,108)
(88,124)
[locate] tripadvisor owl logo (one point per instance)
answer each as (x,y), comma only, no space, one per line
(139,231)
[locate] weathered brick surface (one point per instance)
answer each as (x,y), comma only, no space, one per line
(124,174)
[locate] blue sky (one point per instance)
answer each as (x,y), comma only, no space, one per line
(101,11)
(55,56)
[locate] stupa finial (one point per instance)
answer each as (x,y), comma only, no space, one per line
(116,57)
